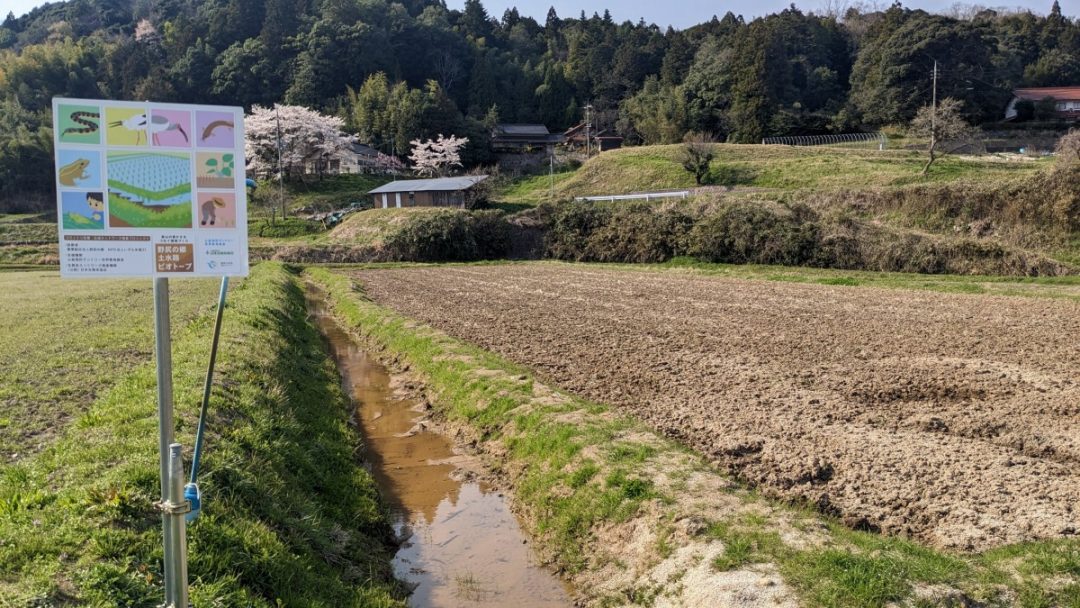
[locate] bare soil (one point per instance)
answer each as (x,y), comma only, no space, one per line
(954,419)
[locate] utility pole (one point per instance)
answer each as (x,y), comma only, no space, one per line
(281,173)
(551,160)
(933,111)
(588,130)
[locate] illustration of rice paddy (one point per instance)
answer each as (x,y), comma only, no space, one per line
(149,190)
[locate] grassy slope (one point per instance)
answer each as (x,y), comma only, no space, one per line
(289,519)
(373,226)
(370,227)
(65,342)
(331,192)
(651,168)
(567,497)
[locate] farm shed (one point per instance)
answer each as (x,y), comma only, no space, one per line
(441,192)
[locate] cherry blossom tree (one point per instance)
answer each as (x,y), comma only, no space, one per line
(438,156)
(390,165)
(308,139)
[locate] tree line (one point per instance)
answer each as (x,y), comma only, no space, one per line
(407,69)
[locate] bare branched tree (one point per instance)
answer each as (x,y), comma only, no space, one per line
(697,155)
(447,68)
(945,127)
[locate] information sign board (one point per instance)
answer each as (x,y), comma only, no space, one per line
(150,189)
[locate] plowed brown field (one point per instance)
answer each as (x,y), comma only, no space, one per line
(951,418)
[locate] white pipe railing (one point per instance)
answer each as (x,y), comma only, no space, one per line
(647,196)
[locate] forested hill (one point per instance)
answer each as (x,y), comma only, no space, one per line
(397,70)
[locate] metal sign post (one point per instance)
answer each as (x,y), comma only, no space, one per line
(153,190)
(172,503)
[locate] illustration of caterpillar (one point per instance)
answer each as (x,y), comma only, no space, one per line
(83,118)
(209,130)
(209,213)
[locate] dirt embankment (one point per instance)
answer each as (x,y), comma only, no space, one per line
(953,419)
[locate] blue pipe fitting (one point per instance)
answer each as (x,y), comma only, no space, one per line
(193,495)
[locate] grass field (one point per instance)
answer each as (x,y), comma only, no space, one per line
(330,192)
(652,168)
(289,517)
(66,342)
(22,218)
(12,232)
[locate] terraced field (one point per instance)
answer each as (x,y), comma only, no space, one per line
(951,418)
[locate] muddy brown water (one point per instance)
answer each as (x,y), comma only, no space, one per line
(464,546)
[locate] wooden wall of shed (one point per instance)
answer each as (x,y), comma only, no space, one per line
(421,199)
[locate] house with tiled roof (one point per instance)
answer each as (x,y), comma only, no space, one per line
(1065,100)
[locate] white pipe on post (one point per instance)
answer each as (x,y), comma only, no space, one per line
(178,525)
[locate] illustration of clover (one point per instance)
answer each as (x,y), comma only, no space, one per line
(226,168)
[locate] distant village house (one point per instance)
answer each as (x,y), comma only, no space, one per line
(523,139)
(353,159)
(441,192)
(1065,102)
(601,141)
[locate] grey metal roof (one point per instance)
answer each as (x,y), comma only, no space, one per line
(363,149)
(431,185)
(530,130)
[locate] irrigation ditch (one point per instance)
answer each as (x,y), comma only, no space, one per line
(459,542)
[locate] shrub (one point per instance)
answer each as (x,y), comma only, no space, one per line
(569,227)
(285,228)
(747,232)
(451,235)
(491,232)
(640,233)
(1068,147)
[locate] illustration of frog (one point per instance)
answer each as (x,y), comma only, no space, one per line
(76,170)
(209,210)
(96,202)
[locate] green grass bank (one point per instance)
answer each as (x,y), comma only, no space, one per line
(653,168)
(289,516)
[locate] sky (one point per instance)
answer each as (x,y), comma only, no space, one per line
(678,13)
